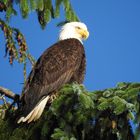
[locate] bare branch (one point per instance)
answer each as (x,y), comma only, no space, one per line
(4,100)
(7,93)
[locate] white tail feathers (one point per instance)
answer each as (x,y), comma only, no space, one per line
(36,112)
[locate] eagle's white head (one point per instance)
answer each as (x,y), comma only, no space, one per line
(76,30)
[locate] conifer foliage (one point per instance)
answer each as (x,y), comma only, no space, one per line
(77,114)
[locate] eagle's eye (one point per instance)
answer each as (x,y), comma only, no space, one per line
(77,27)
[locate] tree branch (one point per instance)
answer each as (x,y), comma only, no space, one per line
(8,93)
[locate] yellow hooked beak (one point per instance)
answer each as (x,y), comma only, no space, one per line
(84,34)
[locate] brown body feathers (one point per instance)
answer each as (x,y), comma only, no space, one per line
(62,63)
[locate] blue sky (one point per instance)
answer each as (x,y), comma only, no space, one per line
(112,49)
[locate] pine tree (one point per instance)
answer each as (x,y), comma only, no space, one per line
(77,114)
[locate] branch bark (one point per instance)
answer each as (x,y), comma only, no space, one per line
(8,93)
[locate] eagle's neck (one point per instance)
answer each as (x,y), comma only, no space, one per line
(67,34)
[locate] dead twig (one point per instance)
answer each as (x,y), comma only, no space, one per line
(8,93)
(2,97)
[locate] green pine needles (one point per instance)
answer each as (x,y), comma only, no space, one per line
(45,9)
(77,114)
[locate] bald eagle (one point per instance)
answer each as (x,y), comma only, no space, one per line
(62,63)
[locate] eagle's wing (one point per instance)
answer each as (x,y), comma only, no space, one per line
(54,68)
